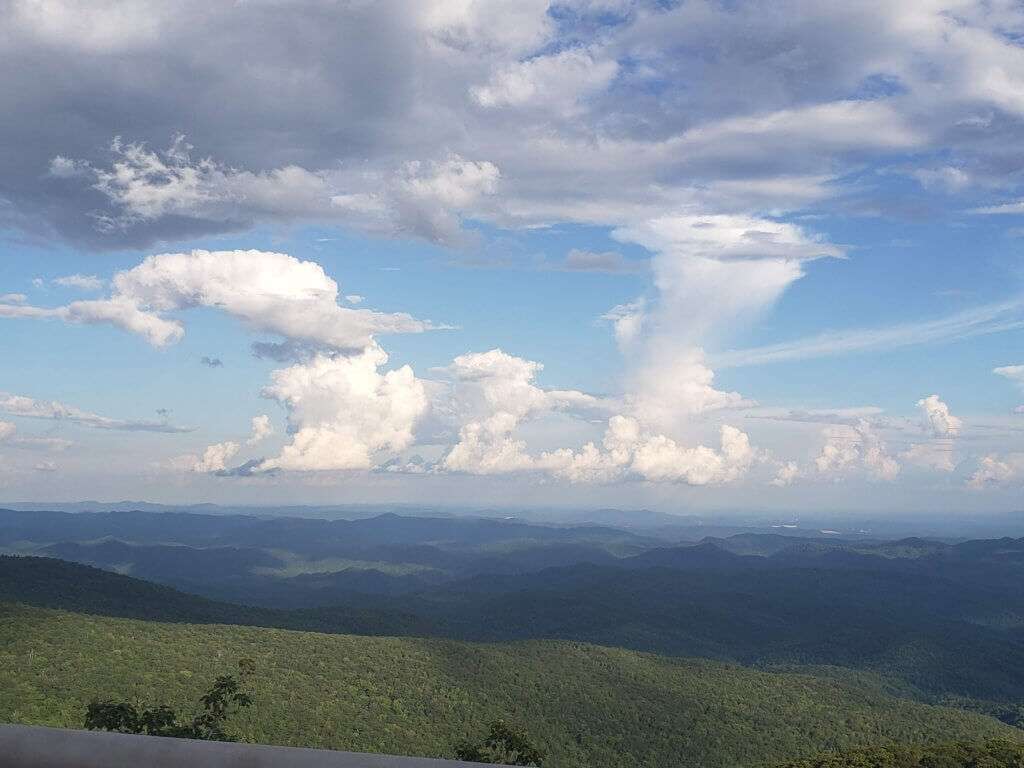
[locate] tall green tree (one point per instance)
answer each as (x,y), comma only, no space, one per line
(504,744)
(226,696)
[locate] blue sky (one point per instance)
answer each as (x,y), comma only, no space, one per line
(564,253)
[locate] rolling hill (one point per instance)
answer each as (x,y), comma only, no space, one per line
(585,705)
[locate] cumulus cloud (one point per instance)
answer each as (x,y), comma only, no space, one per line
(995,470)
(786,475)
(499,393)
(343,412)
(629,451)
(261,429)
(712,273)
(215,457)
(19,405)
(942,427)
(661,458)
(937,420)
(1014,373)
(268,292)
(493,393)
(677,385)
(851,448)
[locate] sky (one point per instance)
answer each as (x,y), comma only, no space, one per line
(692,256)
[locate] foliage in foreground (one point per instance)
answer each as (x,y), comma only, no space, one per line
(996,753)
(504,744)
(582,705)
(225,697)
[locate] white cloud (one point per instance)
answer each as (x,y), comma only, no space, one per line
(676,386)
(786,475)
(661,458)
(1014,373)
(849,448)
(493,393)
(1015,208)
(65,168)
(421,198)
(939,455)
(83,282)
(997,470)
(343,413)
(18,405)
(979,321)
(261,429)
(627,320)
(496,392)
(557,82)
(7,430)
(631,452)
(938,421)
(510,27)
(269,292)
(486,447)
(215,457)
(948,178)
(13,298)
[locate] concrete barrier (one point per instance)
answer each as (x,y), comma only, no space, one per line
(25,746)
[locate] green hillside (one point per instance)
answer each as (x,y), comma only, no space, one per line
(585,705)
(996,753)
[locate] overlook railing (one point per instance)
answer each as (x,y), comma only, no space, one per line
(24,746)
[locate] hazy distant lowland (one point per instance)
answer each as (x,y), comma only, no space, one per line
(667,642)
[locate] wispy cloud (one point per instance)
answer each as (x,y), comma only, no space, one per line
(17,405)
(82,282)
(578,260)
(979,321)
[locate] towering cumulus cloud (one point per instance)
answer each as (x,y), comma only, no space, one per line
(343,412)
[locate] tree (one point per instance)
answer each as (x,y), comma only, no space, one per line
(225,697)
(504,744)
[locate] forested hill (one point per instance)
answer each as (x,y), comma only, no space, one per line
(995,753)
(585,706)
(936,639)
(48,582)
